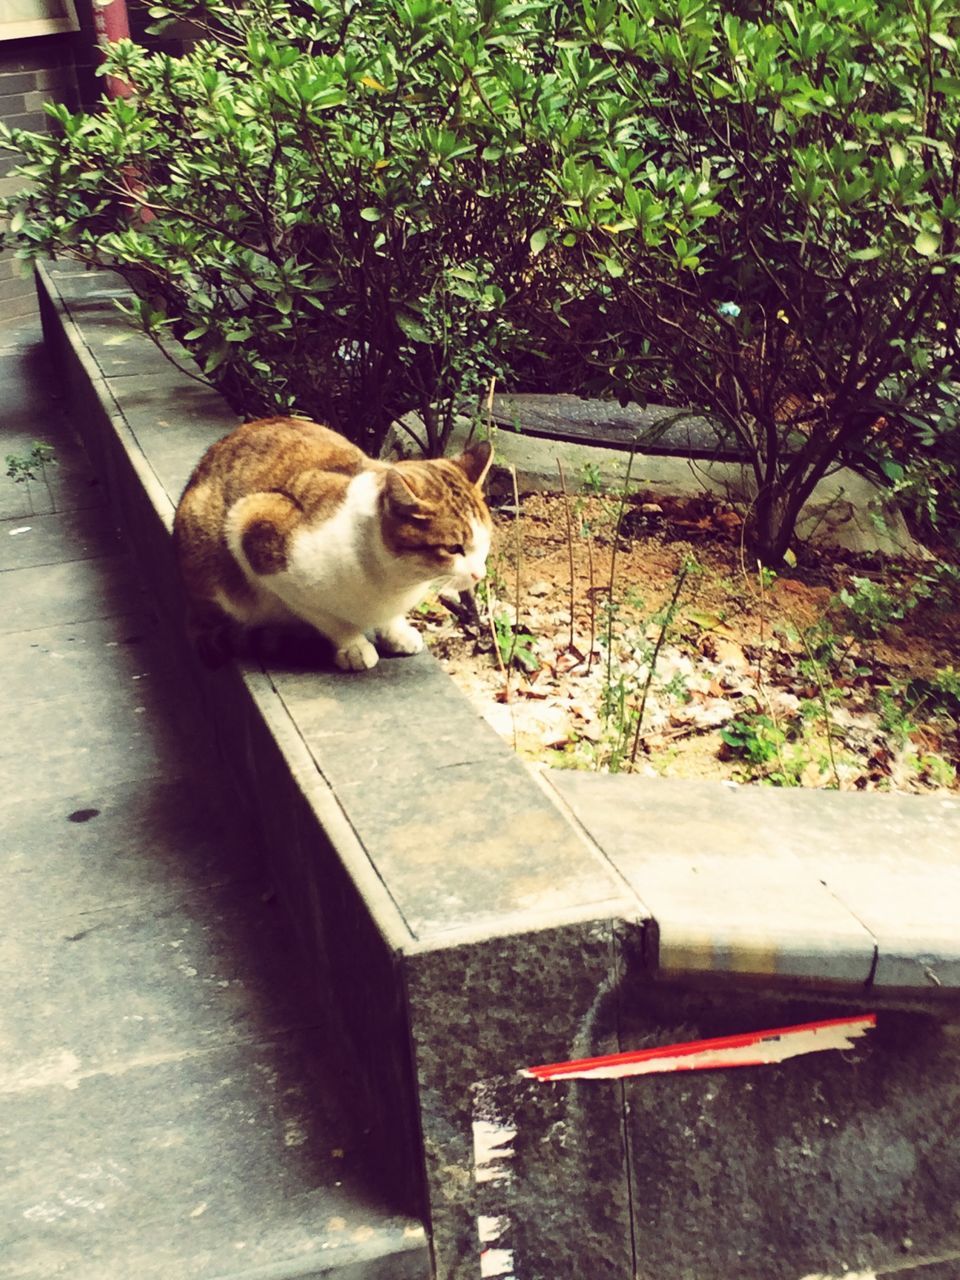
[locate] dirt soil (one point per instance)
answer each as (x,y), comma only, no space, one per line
(696,664)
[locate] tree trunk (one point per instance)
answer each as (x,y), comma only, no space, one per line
(771,527)
(779,502)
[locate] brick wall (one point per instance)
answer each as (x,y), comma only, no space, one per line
(31,72)
(49,68)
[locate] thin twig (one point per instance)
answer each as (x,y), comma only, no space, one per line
(504,671)
(613,567)
(664,628)
(496,646)
(487,405)
(417,440)
(157,342)
(518,548)
(826,709)
(566,509)
(765,698)
(593,605)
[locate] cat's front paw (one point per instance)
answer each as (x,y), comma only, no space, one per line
(356,655)
(400,638)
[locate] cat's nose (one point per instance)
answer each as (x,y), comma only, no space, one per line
(476,575)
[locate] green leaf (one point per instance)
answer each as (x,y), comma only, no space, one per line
(216,357)
(371,214)
(412,328)
(539,240)
(709,622)
(927,243)
(526,659)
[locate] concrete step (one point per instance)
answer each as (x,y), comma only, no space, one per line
(809,893)
(171,1103)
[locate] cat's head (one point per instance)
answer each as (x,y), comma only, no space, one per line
(434,516)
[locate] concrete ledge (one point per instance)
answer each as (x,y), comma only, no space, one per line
(462,920)
(413,850)
(845,510)
(793,884)
(672,452)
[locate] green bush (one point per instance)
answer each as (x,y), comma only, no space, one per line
(346,198)
(778,228)
(365,208)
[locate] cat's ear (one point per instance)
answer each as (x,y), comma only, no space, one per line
(475,461)
(401,502)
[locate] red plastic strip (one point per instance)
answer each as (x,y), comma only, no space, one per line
(749,1049)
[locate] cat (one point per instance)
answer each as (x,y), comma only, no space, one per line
(285,521)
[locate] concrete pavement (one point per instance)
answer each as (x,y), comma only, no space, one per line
(170,1105)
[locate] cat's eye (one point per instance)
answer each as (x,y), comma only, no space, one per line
(455,549)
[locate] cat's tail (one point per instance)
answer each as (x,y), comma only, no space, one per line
(259,527)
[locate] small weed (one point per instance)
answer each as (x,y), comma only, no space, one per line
(821,644)
(940,692)
(778,756)
(755,738)
(676,688)
(940,585)
(592,479)
(665,622)
(625,691)
(516,644)
(581,754)
(937,771)
(947,683)
(21,469)
(596,512)
(493,586)
(768,576)
(894,716)
(870,607)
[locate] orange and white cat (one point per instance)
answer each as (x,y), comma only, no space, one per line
(284,520)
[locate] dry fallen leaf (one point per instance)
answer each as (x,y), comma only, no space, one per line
(729,654)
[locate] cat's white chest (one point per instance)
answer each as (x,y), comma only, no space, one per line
(341,567)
